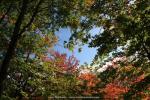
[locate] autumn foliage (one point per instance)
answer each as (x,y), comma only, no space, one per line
(125,79)
(61,61)
(114,91)
(88,83)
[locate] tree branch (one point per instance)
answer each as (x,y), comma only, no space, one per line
(12,45)
(146,50)
(32,18)
(9,8)
(28,55)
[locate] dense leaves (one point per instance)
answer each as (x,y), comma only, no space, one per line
(43,77)
(28,27)
(30,67)
(88,83)
(125,81)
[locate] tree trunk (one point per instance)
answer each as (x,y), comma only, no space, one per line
(12,45)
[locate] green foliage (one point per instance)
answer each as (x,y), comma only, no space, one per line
(125,24)
(38,77)
(27,32)
(26,35)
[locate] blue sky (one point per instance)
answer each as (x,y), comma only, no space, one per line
(87,53)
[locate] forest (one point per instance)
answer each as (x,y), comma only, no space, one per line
(31,68)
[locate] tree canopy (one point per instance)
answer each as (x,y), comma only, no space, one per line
(29,67)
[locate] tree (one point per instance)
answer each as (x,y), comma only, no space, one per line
(125,25)
(124,81)
(23,72)
(67,65)
(46,76)
(19,17)
(88,82)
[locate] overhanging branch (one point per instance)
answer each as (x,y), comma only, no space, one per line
(32,18)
